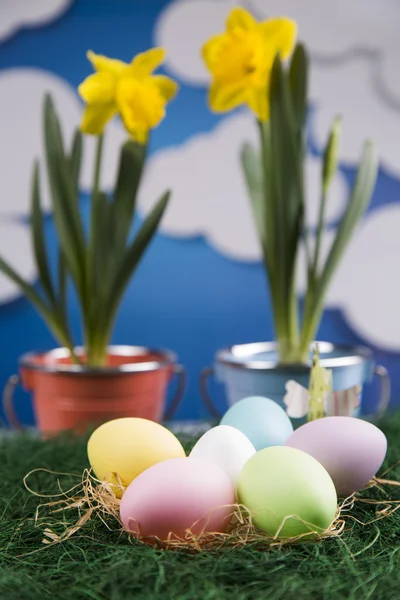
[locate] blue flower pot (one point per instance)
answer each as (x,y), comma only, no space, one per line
(253,370)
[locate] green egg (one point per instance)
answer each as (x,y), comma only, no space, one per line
(280,483)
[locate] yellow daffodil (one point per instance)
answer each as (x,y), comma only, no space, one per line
(240,60)
(128,89)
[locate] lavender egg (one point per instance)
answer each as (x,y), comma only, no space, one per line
(350,449)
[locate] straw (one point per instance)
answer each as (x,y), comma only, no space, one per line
(95,499)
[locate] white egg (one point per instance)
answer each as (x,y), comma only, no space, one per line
(227,447)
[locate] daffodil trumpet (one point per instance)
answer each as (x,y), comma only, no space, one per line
(259,65)
(99,260)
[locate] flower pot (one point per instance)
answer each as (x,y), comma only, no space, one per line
(253,370)
(69,396)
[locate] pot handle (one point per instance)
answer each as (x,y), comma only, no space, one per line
(385,389)
(8,402)
(205,396)
(180,372)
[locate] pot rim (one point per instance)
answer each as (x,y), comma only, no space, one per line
(231,356)
(165,358)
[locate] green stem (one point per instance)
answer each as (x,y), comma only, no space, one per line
(313,310)
(321,216)
(61,333)
(90,299)
(313,307)
(269,242)
(284,298)
(97,165)
(293,324)
(267,214)
(97,350)
(75,359)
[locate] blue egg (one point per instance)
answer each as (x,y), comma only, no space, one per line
(262,420)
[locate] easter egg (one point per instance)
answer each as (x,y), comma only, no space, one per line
(128,447)
(227,447)
(261,420)
(350,449)
(176,495)
(287,492)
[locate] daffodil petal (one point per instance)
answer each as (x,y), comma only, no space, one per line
(280,33)
(223,98)
(240,18)
(140,135)
(140,104)
(97,88)
(211,50)
(146,62)
(96,116)
(103,64)
(168,87)
(257,100)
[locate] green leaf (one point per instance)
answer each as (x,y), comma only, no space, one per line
(331,151)
(27,289)
(252,168)
(62,287)
(99,266)
(75,161)
(285,168)
(65,208)
(132,257)
(329,166)
(61,307)
(284,155)
(132,159)
(298,78)
(38,239)
(298,81)
(359,200)
(50,317)
(285,174)
(101,246)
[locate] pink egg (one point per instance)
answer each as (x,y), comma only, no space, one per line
(176,495)
(350,449)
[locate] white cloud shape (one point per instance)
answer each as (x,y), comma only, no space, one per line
(21,139)
(346,90)
(334,29)
(209,190)
(367,284)
(331,30)
(183,27)
(21,142)
(16,14)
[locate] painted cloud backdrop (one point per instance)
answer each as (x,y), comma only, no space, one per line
(342,79)
(353,74)
(209,191)
(19,139)
(356,77)
(16,14)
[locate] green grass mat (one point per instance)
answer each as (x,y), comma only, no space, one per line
(100,565)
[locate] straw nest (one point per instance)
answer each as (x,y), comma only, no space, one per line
(62,514)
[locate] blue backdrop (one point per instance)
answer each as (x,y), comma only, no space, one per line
(185,296)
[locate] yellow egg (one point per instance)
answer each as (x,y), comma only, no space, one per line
(127,447)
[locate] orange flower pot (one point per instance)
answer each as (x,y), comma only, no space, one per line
(74,397)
